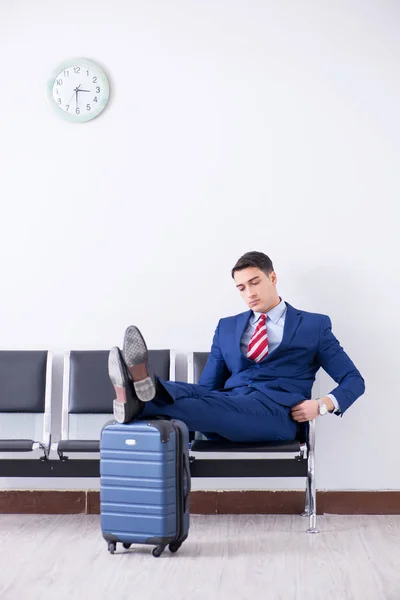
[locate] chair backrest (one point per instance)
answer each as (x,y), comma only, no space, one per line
(196,363)
(88,393)
(25,395)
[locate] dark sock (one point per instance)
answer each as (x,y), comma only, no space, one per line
(162,396)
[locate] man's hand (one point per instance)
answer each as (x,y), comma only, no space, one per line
(307,410)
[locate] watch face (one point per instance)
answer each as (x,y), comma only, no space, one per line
(78,90)
(323,409)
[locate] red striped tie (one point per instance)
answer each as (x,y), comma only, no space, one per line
(258,346)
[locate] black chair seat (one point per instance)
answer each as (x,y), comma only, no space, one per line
(225,446)
(79,446)
(16,445)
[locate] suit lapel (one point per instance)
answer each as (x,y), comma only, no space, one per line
(292,321)
(241,324)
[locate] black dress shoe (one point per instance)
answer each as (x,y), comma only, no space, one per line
(126,405)
(137,361)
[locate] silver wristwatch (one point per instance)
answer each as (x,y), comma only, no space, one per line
(322,407)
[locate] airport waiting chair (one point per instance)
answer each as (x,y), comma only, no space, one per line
(25,402)
(296,457)
(88,397)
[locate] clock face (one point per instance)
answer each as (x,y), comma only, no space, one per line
(78,90)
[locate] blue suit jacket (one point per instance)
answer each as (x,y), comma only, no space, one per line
(287,374)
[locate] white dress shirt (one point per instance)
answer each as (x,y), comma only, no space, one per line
(275,323)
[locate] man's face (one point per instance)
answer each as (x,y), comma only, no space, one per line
(257,289)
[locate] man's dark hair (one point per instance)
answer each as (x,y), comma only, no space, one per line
(254,259)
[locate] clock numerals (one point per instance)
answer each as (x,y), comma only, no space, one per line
(66,73)
(78,111)
(88,107)
(97,90)
(59,101)
(59,82)
(77,70)
(94,79)
(95,99)
(67,107)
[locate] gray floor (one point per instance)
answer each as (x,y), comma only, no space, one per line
(237,557)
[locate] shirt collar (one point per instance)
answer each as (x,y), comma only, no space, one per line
(274,314)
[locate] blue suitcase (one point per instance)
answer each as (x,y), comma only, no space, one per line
(145,484)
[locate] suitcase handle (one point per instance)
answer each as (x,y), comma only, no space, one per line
(186,471)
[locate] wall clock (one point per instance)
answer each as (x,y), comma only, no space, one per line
(78,90)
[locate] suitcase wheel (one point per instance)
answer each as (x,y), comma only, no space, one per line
(157,551)
(112,546)
(126,545)
(174,547)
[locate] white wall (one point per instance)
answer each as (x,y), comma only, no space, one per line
(233,126)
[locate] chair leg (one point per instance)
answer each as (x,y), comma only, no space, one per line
(311,493)
(306,512)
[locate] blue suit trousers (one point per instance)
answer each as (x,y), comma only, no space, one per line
(239,415)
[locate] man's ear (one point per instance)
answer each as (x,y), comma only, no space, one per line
(273,277)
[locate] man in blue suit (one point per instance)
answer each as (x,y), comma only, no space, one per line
(256,385)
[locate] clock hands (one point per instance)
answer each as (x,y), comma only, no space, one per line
(76,90)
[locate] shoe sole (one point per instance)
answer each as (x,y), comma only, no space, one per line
(122,406)
(135,355)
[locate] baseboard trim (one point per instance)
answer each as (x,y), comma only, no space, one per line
(207,503)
